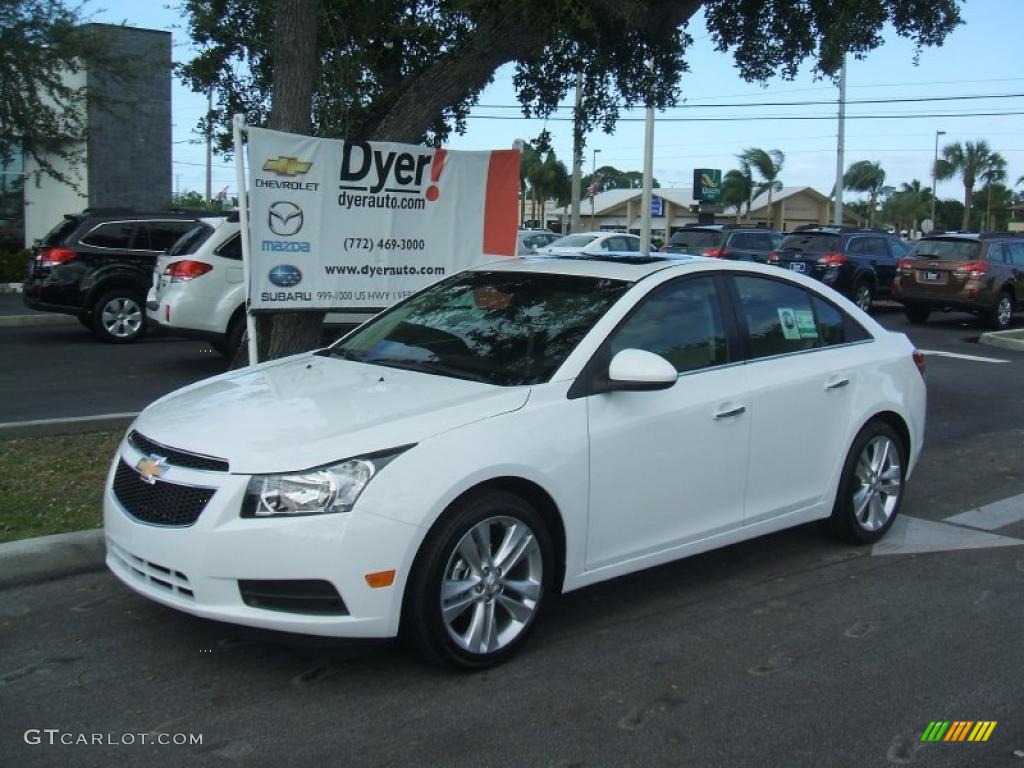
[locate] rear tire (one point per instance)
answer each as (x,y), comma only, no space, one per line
(233,337)
(118,316)
(479,582)
(863,295)
(1000,317)
(871,487)
(917,313)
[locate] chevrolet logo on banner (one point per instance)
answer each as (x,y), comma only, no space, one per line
(287,166)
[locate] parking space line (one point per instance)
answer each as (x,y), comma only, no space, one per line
(991,517)
(960,356)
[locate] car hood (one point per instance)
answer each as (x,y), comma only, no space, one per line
(309,410)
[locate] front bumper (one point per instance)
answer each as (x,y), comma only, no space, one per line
(197,568)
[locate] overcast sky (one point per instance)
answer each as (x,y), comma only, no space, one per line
(975,61)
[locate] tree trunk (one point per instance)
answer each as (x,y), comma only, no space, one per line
(296,65)
(965,225)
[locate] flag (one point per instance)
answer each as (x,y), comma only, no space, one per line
(223,194)
(594,188)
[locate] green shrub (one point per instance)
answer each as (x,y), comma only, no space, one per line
(12,266)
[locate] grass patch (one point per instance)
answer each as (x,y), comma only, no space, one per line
(53,484)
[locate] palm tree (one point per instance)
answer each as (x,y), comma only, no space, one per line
(969,160)
(908,206)
(738,187)
(995,173)
(866,176)
(768,165)
(529,165)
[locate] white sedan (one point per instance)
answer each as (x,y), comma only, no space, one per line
(519,429)
(591,243)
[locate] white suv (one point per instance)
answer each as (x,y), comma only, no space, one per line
(199,286)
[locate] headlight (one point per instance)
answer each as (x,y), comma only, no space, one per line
(323,490)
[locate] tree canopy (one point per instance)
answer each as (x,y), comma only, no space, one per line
(410,70)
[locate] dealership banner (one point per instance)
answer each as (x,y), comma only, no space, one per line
(355,224)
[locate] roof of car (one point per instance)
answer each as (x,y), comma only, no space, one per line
(971,236)
(626,265)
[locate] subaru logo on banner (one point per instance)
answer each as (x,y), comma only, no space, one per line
(657,206)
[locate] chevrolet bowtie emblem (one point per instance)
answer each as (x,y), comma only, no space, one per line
(150,468)
(287,166)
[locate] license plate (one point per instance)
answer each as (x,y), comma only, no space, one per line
(797,266)
(931,277)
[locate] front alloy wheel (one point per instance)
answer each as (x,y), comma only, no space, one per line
(1000,317)
(871,485)
(862,296)
(479,581)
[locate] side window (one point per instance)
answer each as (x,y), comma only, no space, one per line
(741,240)
(232,249)
(1016,253)
(856,245)
(631,244)
(763,242)
(997,253)
(682,322)
(606,244)
(899,249)
(114,234)
(779,316)
(834,325)
(163,234)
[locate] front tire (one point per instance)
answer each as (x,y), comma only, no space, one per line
(479,582)
(118,317)
(871,486)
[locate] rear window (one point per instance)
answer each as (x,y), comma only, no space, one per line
(575,241)
(113,234)
(189,243)
(58,234)
(811,242)
(953,249)
(695,239)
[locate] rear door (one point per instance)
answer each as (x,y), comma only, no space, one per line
(800,393)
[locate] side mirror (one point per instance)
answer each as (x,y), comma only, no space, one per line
(636,370)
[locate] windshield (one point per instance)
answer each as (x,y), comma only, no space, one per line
(695,239)
(575,241)
(811,242)
(954,249)
(504,328)
(189,243)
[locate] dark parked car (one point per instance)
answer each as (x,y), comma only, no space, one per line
(859,263)
(980,273)
(724,241)
(98,266)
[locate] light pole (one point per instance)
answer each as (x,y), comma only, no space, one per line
(935,162)
(593,181)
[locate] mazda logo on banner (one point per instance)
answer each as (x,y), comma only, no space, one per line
(284,218)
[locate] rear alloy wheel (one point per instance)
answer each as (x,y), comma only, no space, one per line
(917,313)
(118,317)
(871,486)
(1001,315)
(862,296)
(479,582)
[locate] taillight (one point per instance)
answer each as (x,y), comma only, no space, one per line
(905,266)
(48,257)
(832,260)
(716,253)
(180,271)
(971,269)
(919,361)
(773,258)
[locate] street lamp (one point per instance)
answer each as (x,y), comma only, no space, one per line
(935,162)
(593,181)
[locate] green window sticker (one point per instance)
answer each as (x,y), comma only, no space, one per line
(787,319)
(805,324)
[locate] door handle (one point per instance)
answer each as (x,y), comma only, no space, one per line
(731,412)
(837,384)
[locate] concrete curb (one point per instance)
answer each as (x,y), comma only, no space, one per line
(10,287)
(51,557)
(73,426)
(12,321)
(1004,339)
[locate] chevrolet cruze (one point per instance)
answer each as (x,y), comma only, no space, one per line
(519,429)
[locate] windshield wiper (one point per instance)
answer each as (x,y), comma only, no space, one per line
(426,366)
(340,352)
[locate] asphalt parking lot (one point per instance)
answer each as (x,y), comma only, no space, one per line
(790,650)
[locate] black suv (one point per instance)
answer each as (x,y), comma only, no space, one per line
(724,241)
(859,263)
(98,266)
